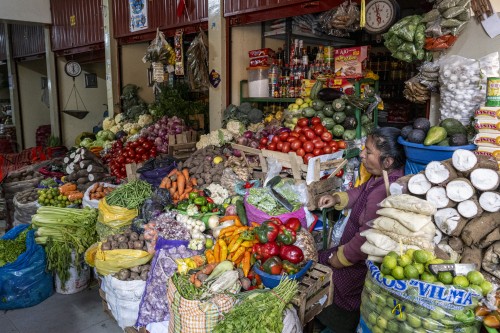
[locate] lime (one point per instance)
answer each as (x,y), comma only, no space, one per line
(389,277)
(410,252)
(382,322)
(486,286)
(209,243)
(428,277)
(406,328)
(409,308)
(430,324)
(411,272)
(421,256)
(413,320)
(445,277)
(393,326)
(404,260)
(475,277)
(372,318)
(377,329)
(398,273)
(389,262)
(460,281)
(393,254)
(420,267)
(421,311)
(438,313)
(386,270)
(387,313)
(477,289)
(433,261)
(401,316)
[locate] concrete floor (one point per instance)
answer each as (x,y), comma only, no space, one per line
(77,313)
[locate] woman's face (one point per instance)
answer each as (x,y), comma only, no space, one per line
(370,157)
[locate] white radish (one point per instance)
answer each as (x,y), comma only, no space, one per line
(418,184)
(469,208)
(459,190)
(485,179)
(440,172)
(437,195)
(463,160)
(490,201)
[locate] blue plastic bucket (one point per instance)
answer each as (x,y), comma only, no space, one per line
(418,155)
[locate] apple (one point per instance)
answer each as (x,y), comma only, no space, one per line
(299,101)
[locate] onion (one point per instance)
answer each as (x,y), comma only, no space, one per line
(248,134)
(162,132)
(157,126)
(242,140)
(254,144)
(158,141)
(283,130)
(236,153)
(178,130)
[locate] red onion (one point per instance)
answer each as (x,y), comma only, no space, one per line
(242,141)
(283,130)
(236,153)
(248,134)
(254,144)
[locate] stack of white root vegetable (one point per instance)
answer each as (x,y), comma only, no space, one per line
(404,222)
(465,191)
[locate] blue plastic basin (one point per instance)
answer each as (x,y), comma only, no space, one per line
(272,280)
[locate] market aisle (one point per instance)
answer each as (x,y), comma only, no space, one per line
(78,313)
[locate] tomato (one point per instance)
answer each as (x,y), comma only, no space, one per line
(152,151)
(319,144)
(303,122)
(296,145)
(271,146)
(283,136)
(279,145)
(129,160)
(140,150)
(275,139)
(333,144)
(326,136)
(300,152)
(327,150)
(148,145)
(341,144)
(315,120)
(302,138)
(317,151)
(308,146)
(286,147)
(120,159)
(264,141)
(294,134)
(319,129)
(262,147)
(307,157)
(340,173)
(297,129)
(310,134)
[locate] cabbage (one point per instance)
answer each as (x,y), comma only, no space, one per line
(105,135)
(86,143)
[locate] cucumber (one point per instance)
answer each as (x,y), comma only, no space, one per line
(241,212)
(318,85)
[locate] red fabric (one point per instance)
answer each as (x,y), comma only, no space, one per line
(180,7)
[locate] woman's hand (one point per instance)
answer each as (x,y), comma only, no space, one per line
(327,201)
(334,261)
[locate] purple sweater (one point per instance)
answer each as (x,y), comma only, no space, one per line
(348,281)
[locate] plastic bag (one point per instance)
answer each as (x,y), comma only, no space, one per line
(305,241)
(159,50)
(25,282)
(87,202)
(111,261)
(403,305)
(163,266)
(274,169)
(197,62)
(155,176)
(341,20)
(256,215)
(123,299)
(114,216)
(24,211)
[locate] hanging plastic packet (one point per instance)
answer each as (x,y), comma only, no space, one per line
(197,62)
(179,54)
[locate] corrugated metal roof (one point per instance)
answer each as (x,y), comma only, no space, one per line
(121,17)
(27,40)
(194,12)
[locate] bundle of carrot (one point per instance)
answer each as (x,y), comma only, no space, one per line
(235,244)
(96,150)
(69,190)
(179,183)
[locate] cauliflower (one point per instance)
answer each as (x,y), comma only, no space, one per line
(203,142)
(216,138)
(145,119)
(235,127)
(108,123)
(219,193)
(115,129)
(131,128)
(119,118)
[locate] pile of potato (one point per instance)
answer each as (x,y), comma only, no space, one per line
(135,273)
(127,240)
(27,196)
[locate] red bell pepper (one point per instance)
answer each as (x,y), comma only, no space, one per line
(267,232)
(294,224)
(275,220)
(291,253)
(286,236)
(265,251)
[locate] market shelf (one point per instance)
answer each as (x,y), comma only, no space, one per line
(262,99)
(309,39)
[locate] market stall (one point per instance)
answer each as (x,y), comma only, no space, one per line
(222,230)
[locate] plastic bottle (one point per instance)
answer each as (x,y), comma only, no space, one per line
(273,75)
(350,173)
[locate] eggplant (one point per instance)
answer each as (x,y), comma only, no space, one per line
(329,94)
(350,123)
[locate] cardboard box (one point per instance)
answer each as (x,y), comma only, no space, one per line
(350,62)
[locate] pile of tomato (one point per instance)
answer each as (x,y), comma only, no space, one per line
(308,139)
(121,154)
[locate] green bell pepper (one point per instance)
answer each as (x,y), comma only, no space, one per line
(182,205)
(204,209)
(273,265)
(289,267)
(193,195)
(200,201)
(286,236)
(210,206)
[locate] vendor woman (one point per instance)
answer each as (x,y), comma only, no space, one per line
(382,152)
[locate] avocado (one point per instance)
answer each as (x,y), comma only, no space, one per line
(422,124)
(453,126)
(328,110)
(308,112)
(350,123)
(434,135)
(416,136)
(339,117)
(349,135)
(318,105)
(338,131)
(458,139)
(329,94)
(444,143)
(406,130)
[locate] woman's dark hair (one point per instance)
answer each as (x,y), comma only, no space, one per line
(386,141)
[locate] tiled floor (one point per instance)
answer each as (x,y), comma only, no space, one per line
(78,313)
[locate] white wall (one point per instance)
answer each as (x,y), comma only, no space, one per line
(474,43)
(34,113)
(35,11)
(93,98)
(134,71)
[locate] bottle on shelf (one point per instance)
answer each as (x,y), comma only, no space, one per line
(273,75)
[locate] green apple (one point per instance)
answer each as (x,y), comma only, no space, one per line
(308,100)
(382,322)
(372,318)
(299,101)
(413,320)
(293,106)
(438,313)
(303,106)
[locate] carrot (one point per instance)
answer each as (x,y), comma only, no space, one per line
(246,262)
(188,189)
(193,181)
(172,191)
(184,195)
(181,182)
(176,196)
(227,218)
(174,185)
(185,173)
(173,172)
